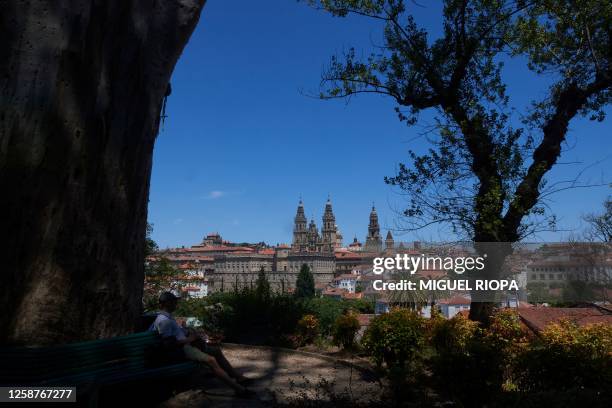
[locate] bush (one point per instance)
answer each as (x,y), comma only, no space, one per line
(395,338)
(308,328)
(344,330)
(506,338)
(569,356)
(451,335)
(328,309)
(473,365)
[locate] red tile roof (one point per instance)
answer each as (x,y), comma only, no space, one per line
(346,276)
(334,292)
(431,273)
(220,248)
(455,300)
(348,255)
(537,318)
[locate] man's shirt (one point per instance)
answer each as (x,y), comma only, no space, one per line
(166,326)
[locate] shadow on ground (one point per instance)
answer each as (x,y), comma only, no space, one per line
(278,375)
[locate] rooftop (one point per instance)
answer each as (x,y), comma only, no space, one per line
(537,318)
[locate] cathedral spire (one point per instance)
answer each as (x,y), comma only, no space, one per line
(389,242)
(373,239)
(328,231)
(300,233)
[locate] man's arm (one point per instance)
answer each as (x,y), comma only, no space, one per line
(169,328)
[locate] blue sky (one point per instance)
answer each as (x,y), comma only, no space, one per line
(242,141)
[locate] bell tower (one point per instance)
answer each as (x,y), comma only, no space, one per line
(373,240)
(328,231)
(300,232)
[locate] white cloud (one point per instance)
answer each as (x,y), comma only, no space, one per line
(213,195)
(177,221)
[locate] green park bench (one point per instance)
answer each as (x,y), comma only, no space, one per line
(89,366)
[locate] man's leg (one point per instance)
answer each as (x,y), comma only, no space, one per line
(218,355)
(195,354)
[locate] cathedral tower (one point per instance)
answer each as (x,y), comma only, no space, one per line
(314,239)
(300,233)
(328,230)
(389,243)
(373,240)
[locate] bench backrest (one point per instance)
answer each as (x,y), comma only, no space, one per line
(27,365)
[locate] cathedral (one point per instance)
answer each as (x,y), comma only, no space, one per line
(306,238)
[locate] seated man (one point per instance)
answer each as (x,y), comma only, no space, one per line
(166,326)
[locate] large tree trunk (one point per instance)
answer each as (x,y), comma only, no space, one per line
(81,85)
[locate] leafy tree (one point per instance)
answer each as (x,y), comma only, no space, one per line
(483,175)
(160,275)
(150,245)
(577,291)
(537,292)
(262,286)
(305,286)
(600,225)
(345,329)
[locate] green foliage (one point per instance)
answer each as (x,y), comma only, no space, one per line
(451,335)
(576,291)
(537,292)
(305,285)
(262,286)
(395,338)
(568,356)
(150,245)
(308,328)
(600,225)
(474,365)
(214,315)
(344,330)
(160,275)
(485,171)
(328,309)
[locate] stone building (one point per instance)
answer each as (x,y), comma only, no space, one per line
(373,240)
(308,239)
(389,242)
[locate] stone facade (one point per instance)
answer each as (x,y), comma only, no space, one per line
(373,240)
(308,239)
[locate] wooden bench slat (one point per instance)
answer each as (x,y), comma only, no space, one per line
(93,361)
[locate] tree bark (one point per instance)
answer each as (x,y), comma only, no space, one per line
(81,85)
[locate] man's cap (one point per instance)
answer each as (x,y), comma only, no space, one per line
(167,297)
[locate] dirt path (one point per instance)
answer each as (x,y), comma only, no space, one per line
(279,374)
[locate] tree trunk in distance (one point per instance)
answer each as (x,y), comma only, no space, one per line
(483,303)
(81,85)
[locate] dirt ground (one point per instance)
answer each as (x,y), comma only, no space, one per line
(278,375)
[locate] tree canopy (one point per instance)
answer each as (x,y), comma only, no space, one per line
(305,285)
(484,173)
(600,225)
